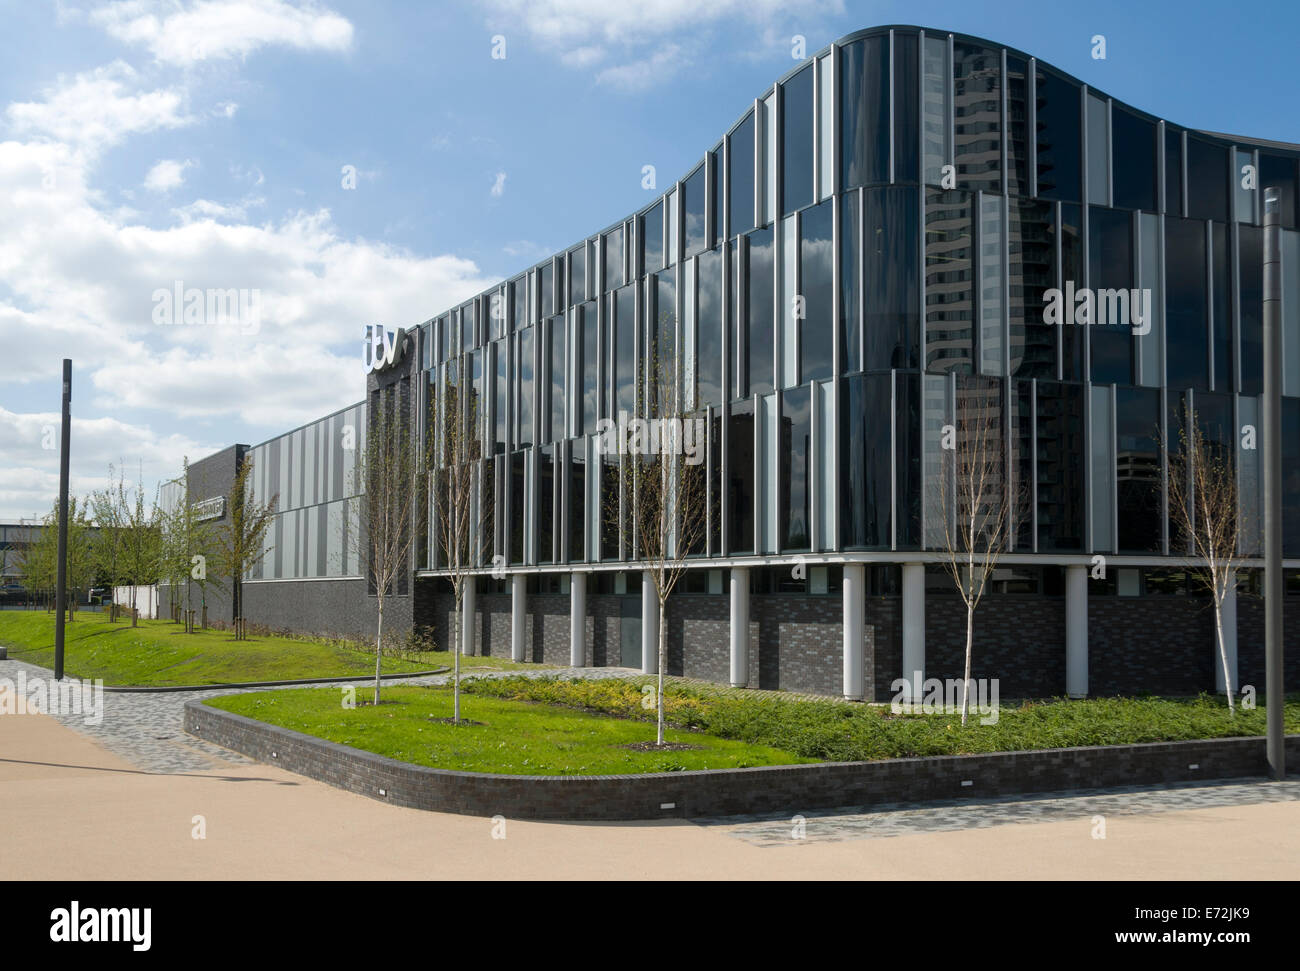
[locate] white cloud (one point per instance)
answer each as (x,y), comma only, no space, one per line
(641,74)
(499,186)
(168,174)
(184,33)
(207,209)
(95,109)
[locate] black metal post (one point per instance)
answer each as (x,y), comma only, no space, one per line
(60,595)
(1272,435)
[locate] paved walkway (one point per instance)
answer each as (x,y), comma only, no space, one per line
(121,801)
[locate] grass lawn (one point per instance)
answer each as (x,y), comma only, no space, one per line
(159,653)
(838,732)
(514,737)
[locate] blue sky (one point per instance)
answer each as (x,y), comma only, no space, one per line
(153,141)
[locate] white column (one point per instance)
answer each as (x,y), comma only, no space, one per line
(739,632)
(649,624)
(578,620)
(468,606)
(1229,640)
(518,600)
(914,628)
(855,605)
(1076,631)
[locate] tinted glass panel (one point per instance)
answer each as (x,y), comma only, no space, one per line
(557,335)
(588,366)
(525,386)
(1058,136)
(1207,180)
(797,141)
(1186,308)
(517,505)
(740,478)
(715,189)
(1061,455)
(909,488)
(892,288)
(502,400)
(693,206)
(1137,469)
(1031,242)
(577,502)
(1173,171)
(1225,366)
(625,397)
(977,116)
(760,321)
(546,504)
(652,239)
(865,461)
(864,111)
(948,297)
(1251,276)
(1071,337)
(614,259)
(817,340)
(906,108)
(1110,241)
(1133,164)
(936,95)
(1017,135)
(740,176)
(547,277)
(794,457)
(519,302)
(850,286)
(708,347)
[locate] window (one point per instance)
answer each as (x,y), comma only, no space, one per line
(1134,160)
(794,457)
(693,206)
(1250,242)
(652,239)
(501,354)
(577,500)
(715,194)
(1102,488)
(906,108)
(1017,135)
(519,303)
(557,335)
(1110,242)
(1207,180)
(936,106)
(708,331)
(817,265)
(1031,244)
(1098,151)
(948,298)
(1071,337)
(1173,171)
(740,176)
(850,330)
(625,396)
(740,478)
(1225,366)
(1186,309)
(797,141)
(1058,137)
(613,244)
(993,277)
(524,387)
(977,117)
(761,312)
(892,288)
(588,366)
(546,484)
(1061,455)
(467,337)
(518,503)
(546,274)
(865,461)
(864,111)
(909,490)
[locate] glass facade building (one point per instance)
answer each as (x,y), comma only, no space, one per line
(905,225)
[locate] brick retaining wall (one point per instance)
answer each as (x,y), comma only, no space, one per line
(722,792)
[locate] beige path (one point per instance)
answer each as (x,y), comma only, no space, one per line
(69,809)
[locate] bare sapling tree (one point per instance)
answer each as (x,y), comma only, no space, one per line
(105,511)
(388,476)
(972,502)
(460,512)
(1208,522)
(665,486)
(141,540)
(240,541)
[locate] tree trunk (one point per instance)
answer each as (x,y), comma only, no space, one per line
(1223,654)
(455,651)
(663,642)
(379,648)
(970,639)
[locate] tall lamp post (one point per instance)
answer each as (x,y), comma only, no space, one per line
(1272,434)
(60,596)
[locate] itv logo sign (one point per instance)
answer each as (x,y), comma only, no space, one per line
(382,348)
